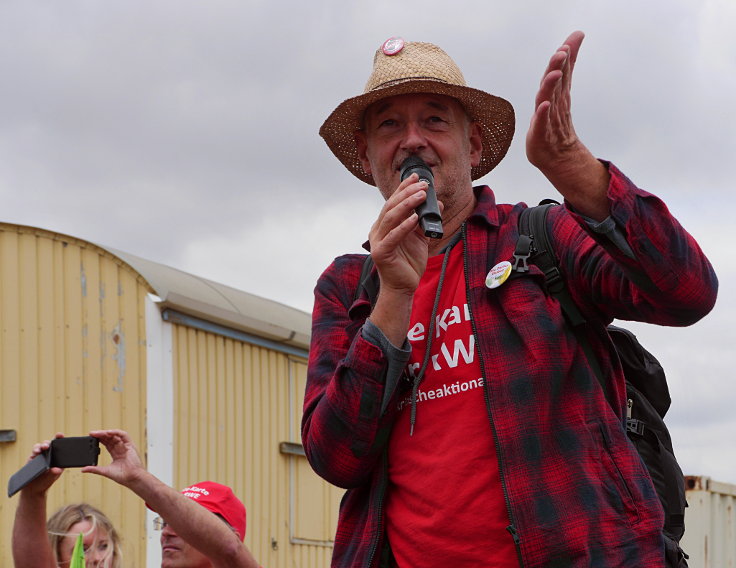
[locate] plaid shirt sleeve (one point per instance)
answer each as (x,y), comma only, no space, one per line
(667,281)
(343,429)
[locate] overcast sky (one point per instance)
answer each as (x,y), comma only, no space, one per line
(186,133)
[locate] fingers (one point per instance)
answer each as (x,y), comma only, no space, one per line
(560,68)
(398,247)
(573,43)
(116,442)
(397,226)
(571,47)
(547,87)
(397,217)
(125,459)
(42,483)
(96,469)
(110,434)
(111,438)
(552,121)
(40,447)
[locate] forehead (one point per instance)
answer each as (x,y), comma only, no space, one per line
(83,526)
(88,529)
(414,101)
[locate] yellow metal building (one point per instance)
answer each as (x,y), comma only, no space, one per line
(208,380)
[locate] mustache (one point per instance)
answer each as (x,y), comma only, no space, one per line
(426,157)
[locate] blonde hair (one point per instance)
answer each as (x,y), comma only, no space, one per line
(64,519)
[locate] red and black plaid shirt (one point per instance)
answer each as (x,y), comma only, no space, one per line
(577,492)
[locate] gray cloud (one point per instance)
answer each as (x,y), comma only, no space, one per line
(186,133)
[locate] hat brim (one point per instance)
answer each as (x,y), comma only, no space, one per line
(494,115)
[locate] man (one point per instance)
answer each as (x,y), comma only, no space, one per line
(216,498)
(460,412)
(202,527)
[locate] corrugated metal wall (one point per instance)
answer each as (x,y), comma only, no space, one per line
(235,404)
(710,523)
(72,358)
(314,503)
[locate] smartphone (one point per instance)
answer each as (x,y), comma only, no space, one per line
(27,473)
(74,451)
(63,452)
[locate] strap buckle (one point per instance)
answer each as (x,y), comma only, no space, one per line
(522,253)
(635,426)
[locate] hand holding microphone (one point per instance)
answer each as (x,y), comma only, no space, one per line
(428,211)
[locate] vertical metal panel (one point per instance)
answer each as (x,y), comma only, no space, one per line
(160,420)
(314,502)
(234,406)
(72,359)
(710,523)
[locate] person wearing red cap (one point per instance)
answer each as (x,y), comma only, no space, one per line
(203,526)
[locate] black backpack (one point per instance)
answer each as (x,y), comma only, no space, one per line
(648,397)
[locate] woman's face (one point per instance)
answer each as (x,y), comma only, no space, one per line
(98,548)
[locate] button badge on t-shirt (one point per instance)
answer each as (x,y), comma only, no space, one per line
(498,274)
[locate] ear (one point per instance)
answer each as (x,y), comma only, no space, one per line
(362,146)
(476,143)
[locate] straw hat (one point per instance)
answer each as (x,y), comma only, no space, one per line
(413,67)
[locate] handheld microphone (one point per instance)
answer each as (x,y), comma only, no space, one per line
(428,211)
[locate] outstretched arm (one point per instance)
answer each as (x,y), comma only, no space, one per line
(552,144)
(193,523)
(31,546)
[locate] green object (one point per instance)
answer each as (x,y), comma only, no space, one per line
(78,553)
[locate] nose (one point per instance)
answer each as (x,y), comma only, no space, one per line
(413,138)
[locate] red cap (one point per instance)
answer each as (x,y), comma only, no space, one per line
(219,499)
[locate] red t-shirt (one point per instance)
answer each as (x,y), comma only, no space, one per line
(445,505)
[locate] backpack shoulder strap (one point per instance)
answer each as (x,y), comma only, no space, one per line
(534,246)
(368,281)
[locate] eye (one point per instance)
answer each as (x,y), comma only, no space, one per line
(436,121)
(387,123)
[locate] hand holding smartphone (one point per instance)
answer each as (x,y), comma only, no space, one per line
(76,451)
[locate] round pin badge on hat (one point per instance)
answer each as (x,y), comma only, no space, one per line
(498,274)
(392,45)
